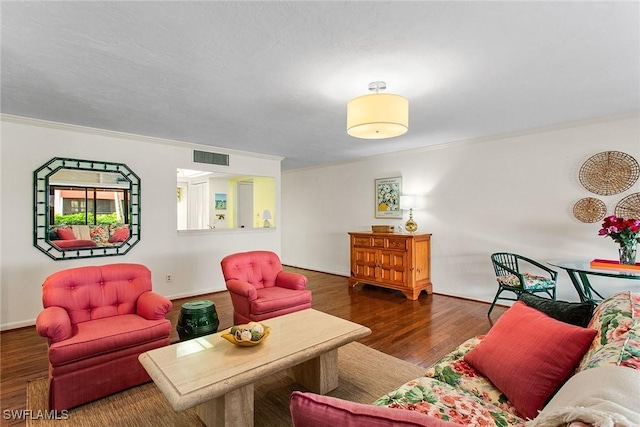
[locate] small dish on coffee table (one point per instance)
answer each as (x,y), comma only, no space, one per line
(233,337)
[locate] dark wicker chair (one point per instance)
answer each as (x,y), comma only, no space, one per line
(511,276)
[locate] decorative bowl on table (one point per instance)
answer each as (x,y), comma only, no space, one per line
(248,335)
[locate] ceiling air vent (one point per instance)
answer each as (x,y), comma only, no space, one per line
(210,158)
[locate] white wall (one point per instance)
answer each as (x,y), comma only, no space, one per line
(511,194)
(193,260)
(514,194)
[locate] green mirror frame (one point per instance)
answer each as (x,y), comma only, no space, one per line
(42,207)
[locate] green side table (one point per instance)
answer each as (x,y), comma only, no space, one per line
(197,318)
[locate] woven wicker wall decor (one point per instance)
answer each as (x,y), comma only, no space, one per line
(629,207)
(589,210)
(609,172)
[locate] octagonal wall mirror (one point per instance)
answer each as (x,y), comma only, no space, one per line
(85,208)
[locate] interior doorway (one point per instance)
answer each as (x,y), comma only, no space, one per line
(244,204)
(198,206)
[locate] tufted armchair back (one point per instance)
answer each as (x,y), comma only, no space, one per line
(260,268)
(89,293)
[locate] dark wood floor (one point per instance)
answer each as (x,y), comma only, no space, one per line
(420,331)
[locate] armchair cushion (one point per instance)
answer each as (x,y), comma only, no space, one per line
(105,335)
(514,355)
(54,323)
(532,281)
(276,298)
(153,306)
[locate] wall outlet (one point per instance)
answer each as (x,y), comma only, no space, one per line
(168,278)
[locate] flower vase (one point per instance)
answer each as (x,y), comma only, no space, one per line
(627,254)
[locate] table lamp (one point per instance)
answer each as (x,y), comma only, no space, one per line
(266,215)
(409,202)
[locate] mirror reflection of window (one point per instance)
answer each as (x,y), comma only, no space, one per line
(210,200)
(88,207)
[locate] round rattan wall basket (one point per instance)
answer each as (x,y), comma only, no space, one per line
(629,207)
(589,210)
(609,172)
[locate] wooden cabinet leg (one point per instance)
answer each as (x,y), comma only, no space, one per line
(412,294)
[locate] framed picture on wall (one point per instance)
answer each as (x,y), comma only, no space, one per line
(221,201)
(388,191)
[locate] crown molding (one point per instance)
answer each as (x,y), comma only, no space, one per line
(479,140)
(123,135)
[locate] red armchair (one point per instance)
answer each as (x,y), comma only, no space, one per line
(97,321)
(260,289)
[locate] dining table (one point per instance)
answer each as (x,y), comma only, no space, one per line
(579,271)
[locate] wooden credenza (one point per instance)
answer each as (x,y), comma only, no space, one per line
(396,261)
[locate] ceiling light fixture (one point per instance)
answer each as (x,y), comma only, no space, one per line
(378,115)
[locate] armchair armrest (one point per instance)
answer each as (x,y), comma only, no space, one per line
(153,306)
(244,289)
(54,323)
(295,281)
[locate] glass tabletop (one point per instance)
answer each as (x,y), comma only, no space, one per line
(584,266)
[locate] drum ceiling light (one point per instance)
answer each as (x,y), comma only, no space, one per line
(378,115)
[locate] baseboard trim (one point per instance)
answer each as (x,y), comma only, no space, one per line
(434,292)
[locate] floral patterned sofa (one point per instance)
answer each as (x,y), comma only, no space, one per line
(453,390)
(600,384)
(81,236)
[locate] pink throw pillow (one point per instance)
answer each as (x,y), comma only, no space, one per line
(120,235)
(314,410)
(529,355)
(65,234)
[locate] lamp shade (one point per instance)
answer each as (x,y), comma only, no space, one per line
(266,214)
(412,201)
(407,202)
(378,116)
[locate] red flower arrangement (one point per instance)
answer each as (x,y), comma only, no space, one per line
(625,232)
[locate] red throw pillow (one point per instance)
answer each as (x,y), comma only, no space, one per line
(120,235)
(66,234)
(528,356)
(309,409)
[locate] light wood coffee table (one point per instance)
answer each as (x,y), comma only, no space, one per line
(217,376)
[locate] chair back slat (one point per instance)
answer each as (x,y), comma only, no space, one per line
(507,259)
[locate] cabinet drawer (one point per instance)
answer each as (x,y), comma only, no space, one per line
(362,241)
(379,242)
(396,243)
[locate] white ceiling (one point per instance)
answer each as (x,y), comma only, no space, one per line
(275,77)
